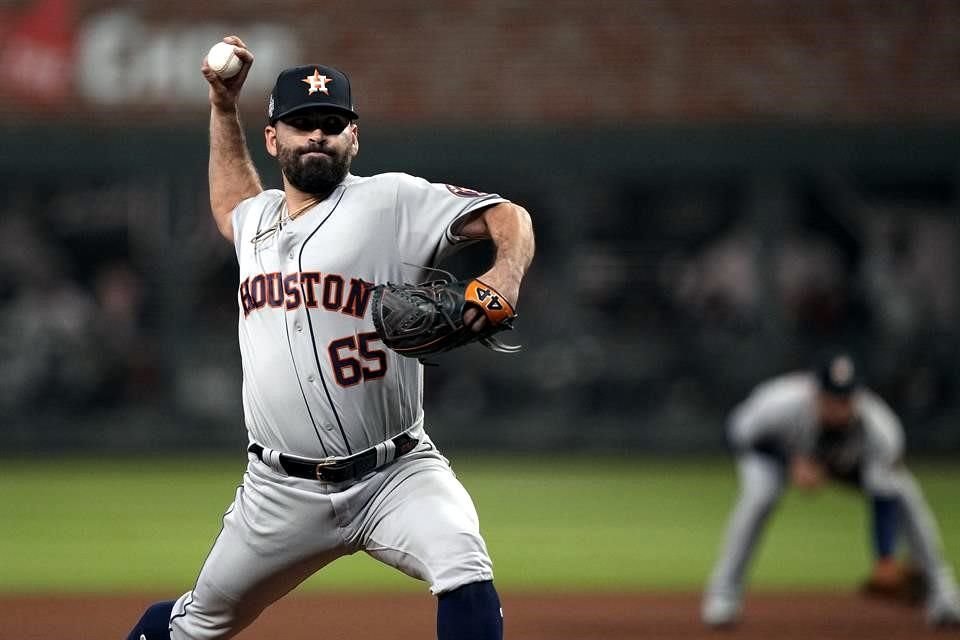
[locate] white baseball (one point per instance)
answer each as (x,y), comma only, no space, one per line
(223,60)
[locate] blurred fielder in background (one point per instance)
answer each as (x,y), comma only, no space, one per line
(819,425)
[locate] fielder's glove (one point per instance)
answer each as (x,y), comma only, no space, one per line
(417,320)
(902,583)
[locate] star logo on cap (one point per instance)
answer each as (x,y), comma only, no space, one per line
(317,82)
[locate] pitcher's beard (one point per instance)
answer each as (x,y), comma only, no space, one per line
(318,175)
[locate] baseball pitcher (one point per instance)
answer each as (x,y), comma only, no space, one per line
(807,427)
(339,459)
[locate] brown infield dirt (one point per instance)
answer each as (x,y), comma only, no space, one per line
(586,616)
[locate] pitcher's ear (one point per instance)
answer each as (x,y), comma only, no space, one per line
(270,140)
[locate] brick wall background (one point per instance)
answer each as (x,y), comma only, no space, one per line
(567,61)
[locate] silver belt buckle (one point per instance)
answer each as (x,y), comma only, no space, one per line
(323,464)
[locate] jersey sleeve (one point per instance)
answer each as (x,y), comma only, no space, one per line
(772,419)
(429,214)
(755,422)
(885,443)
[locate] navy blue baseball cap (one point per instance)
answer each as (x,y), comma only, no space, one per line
(838,374)
(310,86)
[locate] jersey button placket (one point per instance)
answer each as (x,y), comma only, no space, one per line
(288,246)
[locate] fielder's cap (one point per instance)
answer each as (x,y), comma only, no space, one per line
(838,374)
(311,86)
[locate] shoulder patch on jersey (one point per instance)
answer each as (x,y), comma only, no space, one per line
(464,192)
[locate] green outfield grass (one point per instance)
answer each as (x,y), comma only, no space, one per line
(556,524)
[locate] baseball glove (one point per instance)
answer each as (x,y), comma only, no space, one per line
(417,320)
(902,583)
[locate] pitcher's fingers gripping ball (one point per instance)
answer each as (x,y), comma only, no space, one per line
(223,60)
(417,320)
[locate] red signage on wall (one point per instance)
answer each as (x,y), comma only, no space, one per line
(36,62)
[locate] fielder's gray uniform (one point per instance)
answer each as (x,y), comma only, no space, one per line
(777,421)
(316,384)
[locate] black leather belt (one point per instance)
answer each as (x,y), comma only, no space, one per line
(339,469)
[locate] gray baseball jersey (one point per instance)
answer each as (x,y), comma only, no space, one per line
(780,416)
(777,421)
(317,384)
(316,380)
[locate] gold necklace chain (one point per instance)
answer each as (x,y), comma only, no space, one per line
(281,219)
(299,212)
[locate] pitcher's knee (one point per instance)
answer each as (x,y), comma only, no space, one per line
(468,563)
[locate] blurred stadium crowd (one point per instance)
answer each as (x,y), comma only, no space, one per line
(698,230)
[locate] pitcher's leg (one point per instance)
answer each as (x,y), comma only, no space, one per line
(280,531)
(221,605)
(273,537)
(424,523)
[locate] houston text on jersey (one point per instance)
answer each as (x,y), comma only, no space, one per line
(310,288)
